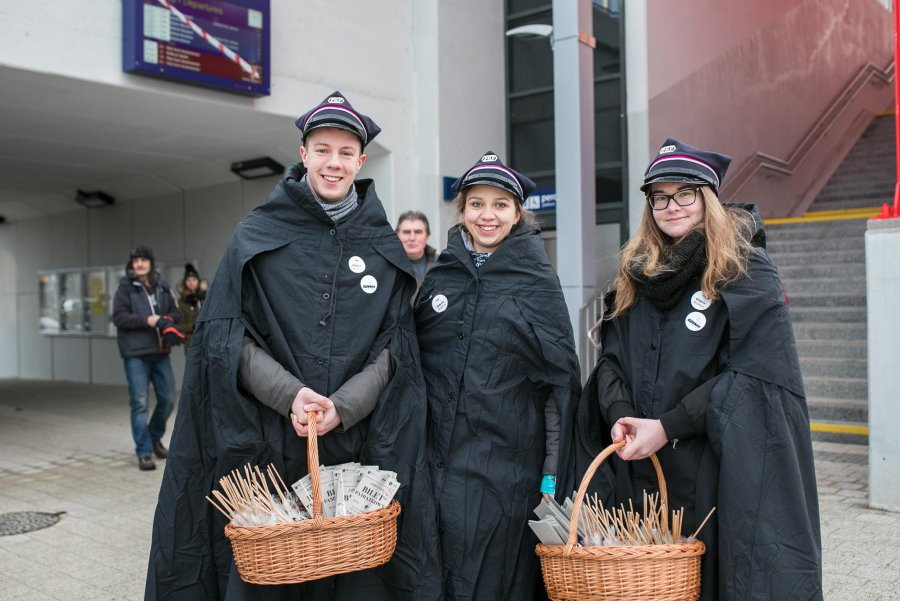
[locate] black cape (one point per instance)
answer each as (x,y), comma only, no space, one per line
(754,462)
(286,280)
(496,346)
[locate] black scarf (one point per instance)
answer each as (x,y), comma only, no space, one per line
(682,262)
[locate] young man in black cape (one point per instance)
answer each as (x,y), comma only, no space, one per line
(310,309)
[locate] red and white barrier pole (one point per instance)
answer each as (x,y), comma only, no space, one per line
(212,41)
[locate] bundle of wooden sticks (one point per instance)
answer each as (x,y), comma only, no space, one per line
(247,499)
(599,526)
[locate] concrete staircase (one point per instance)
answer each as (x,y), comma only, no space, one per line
(821,260)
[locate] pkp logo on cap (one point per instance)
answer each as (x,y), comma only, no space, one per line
(667,149)
(335,100)
(489,158)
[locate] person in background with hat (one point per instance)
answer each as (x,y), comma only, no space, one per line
(191,294)
(502,378)
(309,311)
(146,319)
(699,366)
(413,231)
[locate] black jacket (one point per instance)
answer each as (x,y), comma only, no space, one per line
(732,394)
(132,307)
(286,281)
(497,350)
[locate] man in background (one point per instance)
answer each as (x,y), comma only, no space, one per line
(413,231)
(146,318)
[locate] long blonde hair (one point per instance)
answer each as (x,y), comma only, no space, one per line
(728,234)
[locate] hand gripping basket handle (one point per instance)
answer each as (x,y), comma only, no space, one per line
(312,462)
(586,480)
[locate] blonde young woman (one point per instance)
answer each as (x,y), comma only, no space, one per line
(501,375)
(699,366)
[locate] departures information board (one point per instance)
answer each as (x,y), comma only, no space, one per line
(221,44)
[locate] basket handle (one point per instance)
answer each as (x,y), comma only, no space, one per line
(312,461)
(586,480)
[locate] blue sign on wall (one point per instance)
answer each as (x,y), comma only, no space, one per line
(542,199)
(212,43)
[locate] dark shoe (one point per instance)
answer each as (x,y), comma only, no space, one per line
(160,450)
(146,463)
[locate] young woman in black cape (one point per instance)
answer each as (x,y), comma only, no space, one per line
(501,376)
(699,366)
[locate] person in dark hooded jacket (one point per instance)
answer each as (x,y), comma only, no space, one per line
(191,294)
(146,318)
(310,310)
(699,366)
(502,379)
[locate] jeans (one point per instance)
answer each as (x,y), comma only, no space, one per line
(140,373)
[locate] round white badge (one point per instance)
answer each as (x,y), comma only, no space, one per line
(369,284)
(439,303)
(700,301)
(356,264)
(695,321)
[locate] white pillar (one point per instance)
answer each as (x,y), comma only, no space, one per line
(882,292)
(573,98)
(637,107)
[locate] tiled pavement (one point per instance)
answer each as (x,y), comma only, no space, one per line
(66,447)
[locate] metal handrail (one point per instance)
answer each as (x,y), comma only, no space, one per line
(590,318)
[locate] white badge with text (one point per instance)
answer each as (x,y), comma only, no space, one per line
(369,284)
(356,264)
(700,301)
(695,321)
(439,303)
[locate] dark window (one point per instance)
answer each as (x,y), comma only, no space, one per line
(530,105)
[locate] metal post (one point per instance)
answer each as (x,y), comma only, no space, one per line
(573,109)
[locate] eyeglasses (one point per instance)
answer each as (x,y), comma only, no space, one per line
(683,198)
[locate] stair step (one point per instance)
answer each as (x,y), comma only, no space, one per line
(824,270)
(828,314)
(847,176)
(857,187)
(840,437)
(830,244)
(837,388)
(834,367)
(823,257)
(854,227)
(844,205)
(830,409)
(827,300)
(846,285)
(818,330)
(838,349)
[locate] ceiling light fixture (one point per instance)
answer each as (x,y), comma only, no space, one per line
(257,168)
(92,200)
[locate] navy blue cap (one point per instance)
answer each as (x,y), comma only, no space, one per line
(490,171)
(336,111)
(680,162)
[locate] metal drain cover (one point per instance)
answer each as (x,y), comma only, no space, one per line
(26,521)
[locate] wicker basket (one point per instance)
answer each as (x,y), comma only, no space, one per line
(647,572)
(293,552)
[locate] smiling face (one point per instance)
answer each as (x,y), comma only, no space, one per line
(489,215)
(676,221)
(414,235)
(332,158)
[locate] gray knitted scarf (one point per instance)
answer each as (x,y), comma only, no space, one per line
(337,211)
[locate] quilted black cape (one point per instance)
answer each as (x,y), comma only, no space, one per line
(323,300)
(496,347)
(754,462)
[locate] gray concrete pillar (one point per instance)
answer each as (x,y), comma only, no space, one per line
(883,293)
(573,98)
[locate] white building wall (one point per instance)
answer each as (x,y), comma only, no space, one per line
(429,72)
